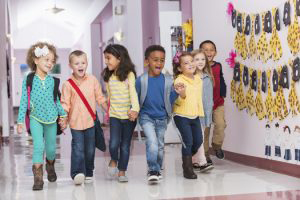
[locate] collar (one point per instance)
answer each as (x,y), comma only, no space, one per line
(40,77)
(78,82)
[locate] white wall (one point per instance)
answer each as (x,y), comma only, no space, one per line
(244,134)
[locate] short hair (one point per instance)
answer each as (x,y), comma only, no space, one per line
(152,48)
(31,55)
(76,53)
(207,42)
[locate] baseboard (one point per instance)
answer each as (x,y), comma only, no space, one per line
(263,163)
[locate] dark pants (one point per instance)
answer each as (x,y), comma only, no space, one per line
(121,131)
(83,152)
(191,133)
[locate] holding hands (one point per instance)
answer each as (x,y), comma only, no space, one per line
(132,115)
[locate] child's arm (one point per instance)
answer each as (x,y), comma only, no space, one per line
(65,103)
(135,107)
(100,98)
(222,83)
(23,107)
(138,87)
(173,95)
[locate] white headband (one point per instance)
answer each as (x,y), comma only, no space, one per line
(38,52)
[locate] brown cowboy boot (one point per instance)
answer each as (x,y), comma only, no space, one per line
(187,166)
(38,177)
(50,170)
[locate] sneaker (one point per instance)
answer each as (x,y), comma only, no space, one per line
(206,167)
(112,171)
(88,179)
(209,161)
(196,167)
(220,154)
(153,176)
(160,176)
(122,179)
(79,179)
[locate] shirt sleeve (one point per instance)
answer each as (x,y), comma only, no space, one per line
(132,93)
(173,95)
(66,97)
(138,87)
(98,92)
(23,103)
(60,109)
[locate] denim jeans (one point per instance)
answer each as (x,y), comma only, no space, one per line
(191,133)
(121,131)
(83,152)
(154,130)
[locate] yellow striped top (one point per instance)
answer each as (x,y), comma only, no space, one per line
(123,96)
(192,105)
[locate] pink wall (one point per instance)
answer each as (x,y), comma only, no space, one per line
(150,20)
(186,9)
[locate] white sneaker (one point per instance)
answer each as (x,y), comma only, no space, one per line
(88,179)
(79,179)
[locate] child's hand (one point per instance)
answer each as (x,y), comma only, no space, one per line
(180,89)
(63,123)
(132,115)
(20,128)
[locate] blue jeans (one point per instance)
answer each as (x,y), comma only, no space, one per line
(154,130)
(83,152)
(121,131)
(191,133)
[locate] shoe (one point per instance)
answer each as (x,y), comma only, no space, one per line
(79,179)
(122,179)
(196,166)
(38,177)
(51,175)
(88,179)
(160,176)
(153,176)
(206,167)
(220,154)
(187,166)
(112,171)
(209,161)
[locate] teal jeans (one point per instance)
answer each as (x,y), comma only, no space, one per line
(43,136)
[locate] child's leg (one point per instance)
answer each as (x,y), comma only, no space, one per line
(115,140)
(89,150)
(148,126)
(127,132)
(219,127)
(37,133)
(160,129)
(50,140)
(77,153)
(197,135)
(206,141)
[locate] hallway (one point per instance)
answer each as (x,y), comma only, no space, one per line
(227,180)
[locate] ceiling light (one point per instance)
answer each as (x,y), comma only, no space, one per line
(55,9)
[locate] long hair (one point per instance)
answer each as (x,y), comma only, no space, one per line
(177,60)
(207,68)
(125,67)
(31,56)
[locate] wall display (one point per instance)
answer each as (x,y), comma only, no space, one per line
(275,44)
(293,37)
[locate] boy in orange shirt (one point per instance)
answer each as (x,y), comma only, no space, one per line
(80,120)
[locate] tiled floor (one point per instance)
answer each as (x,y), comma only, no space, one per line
(227,181)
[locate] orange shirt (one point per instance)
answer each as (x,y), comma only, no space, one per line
(79,117)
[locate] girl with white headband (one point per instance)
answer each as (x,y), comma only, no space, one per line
(43,107)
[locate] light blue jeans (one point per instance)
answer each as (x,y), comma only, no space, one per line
(154,130)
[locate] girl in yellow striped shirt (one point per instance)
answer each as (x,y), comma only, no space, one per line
(119,76)
(187,109)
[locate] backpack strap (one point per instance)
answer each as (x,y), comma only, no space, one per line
(29,81)
(56,91)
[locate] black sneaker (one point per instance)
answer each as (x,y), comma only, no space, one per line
(220,154)
(209,161)
(196,167)
(153,176)
(159,175)
(206,167)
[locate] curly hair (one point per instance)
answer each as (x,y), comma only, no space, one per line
(126,65)
(176,65)
(31,56)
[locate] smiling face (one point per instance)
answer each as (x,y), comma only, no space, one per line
(44,64)
(155,62)
(210,51)
(200,61)
(111,61)
(79,65)
(186,66)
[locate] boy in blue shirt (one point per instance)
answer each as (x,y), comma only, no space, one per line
(156,96)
